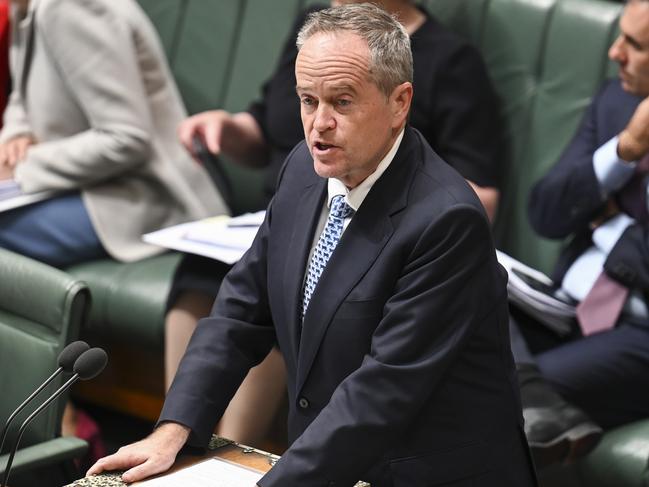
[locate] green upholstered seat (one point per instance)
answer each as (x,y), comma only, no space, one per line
(621,458)
(547,58)
(128,300)
(41,310)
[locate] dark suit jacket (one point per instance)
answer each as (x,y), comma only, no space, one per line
(568,198)
(401,373)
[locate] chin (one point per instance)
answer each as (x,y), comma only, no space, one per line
(324,170)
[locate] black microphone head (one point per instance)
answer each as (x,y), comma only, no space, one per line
(90,363)
(71,353)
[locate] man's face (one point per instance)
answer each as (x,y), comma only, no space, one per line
(631,48)
(349,124)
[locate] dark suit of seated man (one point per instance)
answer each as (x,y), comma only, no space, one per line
(597,194)
(395,335)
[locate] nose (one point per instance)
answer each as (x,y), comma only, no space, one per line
(324,118)
(616,52)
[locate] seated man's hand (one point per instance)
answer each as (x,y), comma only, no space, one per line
(208,126)
(14,150)
(610,210)
(634,139)
(152,455)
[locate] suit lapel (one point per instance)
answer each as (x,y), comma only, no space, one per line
(309,205)
(359,247)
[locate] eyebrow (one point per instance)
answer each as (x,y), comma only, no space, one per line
(346,87)
(633,42)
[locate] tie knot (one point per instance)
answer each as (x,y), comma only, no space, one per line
(339,208)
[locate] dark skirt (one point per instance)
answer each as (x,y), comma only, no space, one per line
(198,274)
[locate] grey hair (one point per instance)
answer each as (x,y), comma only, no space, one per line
(387,39)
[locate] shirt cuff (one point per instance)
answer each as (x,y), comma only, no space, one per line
(611,171)
(606,235)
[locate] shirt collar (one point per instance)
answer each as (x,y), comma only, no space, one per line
(355,197)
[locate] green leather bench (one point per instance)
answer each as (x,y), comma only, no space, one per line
(546,57)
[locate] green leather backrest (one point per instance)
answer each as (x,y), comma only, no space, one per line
(620,459)
(41,309)
(220,54)
(547,58)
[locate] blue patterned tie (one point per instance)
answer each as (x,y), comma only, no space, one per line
(327,242)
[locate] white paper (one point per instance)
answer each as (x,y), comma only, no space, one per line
(221,237)
(211,473)
(12,197)
(532,291)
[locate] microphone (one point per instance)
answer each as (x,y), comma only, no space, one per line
(89,365)
(66,361)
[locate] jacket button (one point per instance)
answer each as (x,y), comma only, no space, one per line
(303,402)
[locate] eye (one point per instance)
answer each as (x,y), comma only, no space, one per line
(307,101)
(343,102)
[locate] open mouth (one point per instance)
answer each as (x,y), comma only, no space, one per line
(320,146)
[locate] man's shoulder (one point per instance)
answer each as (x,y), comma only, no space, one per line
(611,93)
(612,108)
(436,186)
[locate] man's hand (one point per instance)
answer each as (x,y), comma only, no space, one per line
(209,126)
(634,139)
(152,455)
(610,210)
(14,150)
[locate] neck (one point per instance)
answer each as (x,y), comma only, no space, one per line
(408,14)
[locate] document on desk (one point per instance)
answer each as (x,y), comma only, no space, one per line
(210,473)
(220,237)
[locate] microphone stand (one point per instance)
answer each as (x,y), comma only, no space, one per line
(25,402)
(49,400)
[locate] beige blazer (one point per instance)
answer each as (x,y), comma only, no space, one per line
(91,84)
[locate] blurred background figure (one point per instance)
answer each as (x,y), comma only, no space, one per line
(92,117)
(454,107)
(593,378)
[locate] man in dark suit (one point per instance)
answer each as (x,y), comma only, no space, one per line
(395,335)
(597,192)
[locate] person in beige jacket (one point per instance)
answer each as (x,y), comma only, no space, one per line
(93,117)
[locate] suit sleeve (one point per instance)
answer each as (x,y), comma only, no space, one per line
(426,323)
(569,196)
(628,261)
(237,336)
(96,54)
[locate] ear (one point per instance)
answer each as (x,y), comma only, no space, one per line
(400,101)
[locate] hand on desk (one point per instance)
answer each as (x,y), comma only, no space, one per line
(152,455)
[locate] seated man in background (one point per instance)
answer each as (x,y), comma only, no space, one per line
(596,192)
(454,107)
(375,272)
(92,116)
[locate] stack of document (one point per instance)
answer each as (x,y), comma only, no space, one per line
(535,294)
(220,237)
